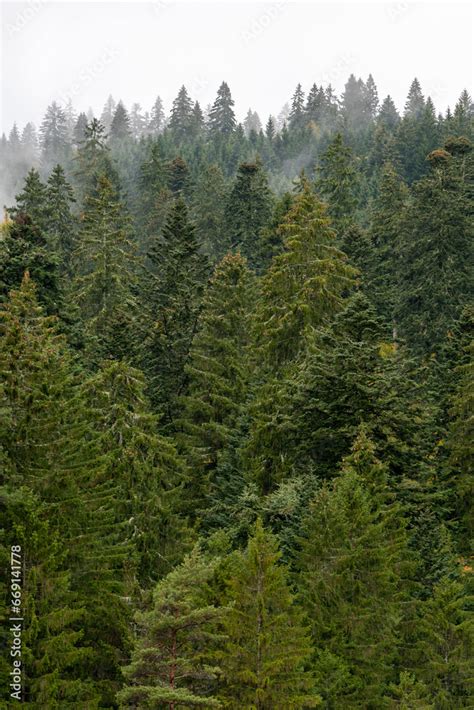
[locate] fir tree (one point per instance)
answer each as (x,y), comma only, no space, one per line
(54,137)
(208,211)
(296,118)
(62,225)
(264,657)
(157,120)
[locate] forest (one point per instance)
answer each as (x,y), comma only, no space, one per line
(236,431)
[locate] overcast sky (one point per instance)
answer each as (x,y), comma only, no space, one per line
(86,50)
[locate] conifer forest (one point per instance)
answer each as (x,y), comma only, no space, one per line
(237,404)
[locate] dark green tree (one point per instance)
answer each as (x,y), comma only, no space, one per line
(222,117)
(337,183)
(249,210)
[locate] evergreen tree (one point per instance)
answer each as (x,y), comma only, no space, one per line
(264,657)
(157,120)
(146,469)
(108,113)
(217,370)
(443,653)
(304,284)
(120,126)
(172,299)
(26,247)
(434,280)
(104,262)
(54,137)
(62,225)
(249,210)
(174,663)
(296,118)
(353,566)
(93,160)
(337,183)
(208,211)
(387,215)
(222,116)
(181,116)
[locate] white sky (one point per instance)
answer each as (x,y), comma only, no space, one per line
(135,51)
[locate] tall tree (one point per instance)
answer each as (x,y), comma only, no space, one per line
(62,224)
(353,567)
(120,126)
(171,299)
(54,137)
(181,115)
(105,274)
(338,183)
(222,116)
(267,648)
(218,371)
(434,280)
(248,210)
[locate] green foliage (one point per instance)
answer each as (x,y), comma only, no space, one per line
(353,567)
(174,662)
(264,658)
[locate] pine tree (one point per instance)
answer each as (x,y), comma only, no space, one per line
(171,299)
(388,115)
(137,121)
(79,132)
(222,117)
(104,267)
(337,183)
(249,210)
(93,160)
(31,200)
(264,657)
(353,567)
(217,370)
(174,663)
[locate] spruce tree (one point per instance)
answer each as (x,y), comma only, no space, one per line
(443,653)
(157,119)
(264,658)
(120,126)
(174,663)
(104,262)
(181,116)
(353,568)
(304,284)
(338,184)
(171,297)
(296,118)
(54,137)
(26,246)
(208,211)
(62,224)
(434,281)
(217,371)
(249,210)
(222,117)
